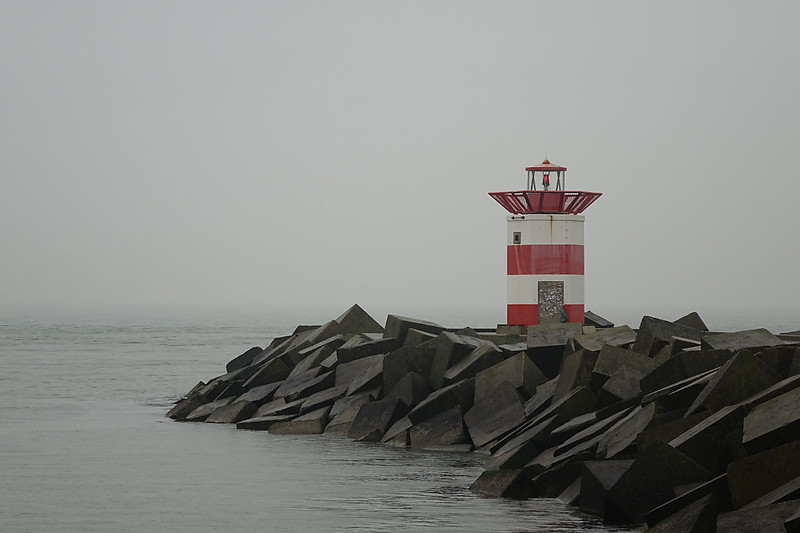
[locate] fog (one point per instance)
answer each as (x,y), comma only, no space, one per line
(319,154)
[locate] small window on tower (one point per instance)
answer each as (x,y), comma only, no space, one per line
(517,237)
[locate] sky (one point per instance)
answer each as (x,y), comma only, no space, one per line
(291,153)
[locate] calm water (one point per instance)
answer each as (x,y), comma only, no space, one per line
(85,446)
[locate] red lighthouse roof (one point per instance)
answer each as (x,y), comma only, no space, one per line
(546,200)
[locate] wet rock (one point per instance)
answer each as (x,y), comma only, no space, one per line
(308,424)
(754,476)
(494,416)
(397,327)
(763,519)
(504,483)
(518,370)
(739,378)
(374,418)
(649,482)
(243,360)
(597,478)
(738,340)
(443,429)
(230,414)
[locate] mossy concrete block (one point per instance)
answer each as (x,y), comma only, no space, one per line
(397,327)
(494,416)
(205,410)
(623,434)
(741,377)
(356,320)
(654,334)
(481,358)
(243,360)
(754,476)
(443,429)
(683,365)
(504,483)
(518,370)
(407,359)
(410,390)
(768,519)
(706,443)
(773,422)
(739,340)
(230,414)
(650,482)
(374,418)
(450,349)
(597,478)
(576,371)
(311,423)
(594,342)
(461,394)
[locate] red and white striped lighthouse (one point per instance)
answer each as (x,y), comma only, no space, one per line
(545,260)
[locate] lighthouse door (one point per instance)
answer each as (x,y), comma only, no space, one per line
(551,302)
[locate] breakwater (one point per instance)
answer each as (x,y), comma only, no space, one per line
(667,424)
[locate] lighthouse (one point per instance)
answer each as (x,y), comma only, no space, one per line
(544,248)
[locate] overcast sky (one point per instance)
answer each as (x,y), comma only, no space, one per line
(310,153)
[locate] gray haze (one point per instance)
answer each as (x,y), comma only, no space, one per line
(309,153)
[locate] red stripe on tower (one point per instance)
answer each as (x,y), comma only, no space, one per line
(545,259)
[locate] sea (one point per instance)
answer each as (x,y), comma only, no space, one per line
(85,445)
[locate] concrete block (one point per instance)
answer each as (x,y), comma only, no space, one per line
(741,377)
(356,399)
(495,415)
(597,478)
(450,349)
(185,406)
(311,423)
(783,360)
(516,451)
(773,422)
(356,320)
(262,423)
(407,359)
(683,365)
(784,493)
(569,428)
(298,383)
(545,335)
(542,399)
(654,333)
(698,516)
(410,390)
(443,429)
(589,437)
(669,430)
(346,354)
(370,378)
(571,494)
(593,319)
(518,370)
(481,358)
(754,476)
(270,372)
(259,395)
(230,414)
(692,320)
(243,360)
(324,398)
(205,410)
(276,347)
(346,373)
(617,336)
(344,412)
(623,434)
(649,482)
(556,479)
(705,443)
(504,483)
(461,394)
(398,434)
(768,519)
(397,327)
(415,337)
(792,524)
(739,340)
(576,371)
(374,418)
(621,386)
(611,358)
